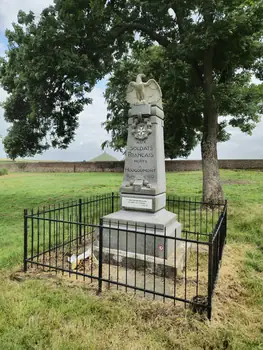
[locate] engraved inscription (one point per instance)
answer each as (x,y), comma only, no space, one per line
(140,155)
(149,176)
(141,148)
(138,203)
(140,152)
(140,161)
(140,170)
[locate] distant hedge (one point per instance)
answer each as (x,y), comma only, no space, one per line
(3,171)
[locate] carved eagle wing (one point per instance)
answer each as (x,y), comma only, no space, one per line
(152,91)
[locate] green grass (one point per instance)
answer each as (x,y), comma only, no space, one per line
(52,314)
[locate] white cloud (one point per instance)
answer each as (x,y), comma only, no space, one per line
(240,146)
(9,10)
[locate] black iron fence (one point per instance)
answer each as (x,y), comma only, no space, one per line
(171,264)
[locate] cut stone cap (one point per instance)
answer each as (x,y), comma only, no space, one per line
(160,219)
(146,110)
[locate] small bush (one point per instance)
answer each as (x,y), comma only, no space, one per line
(3,171)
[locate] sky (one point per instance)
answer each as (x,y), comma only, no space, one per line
(91,134)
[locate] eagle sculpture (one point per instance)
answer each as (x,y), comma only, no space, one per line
(139,93)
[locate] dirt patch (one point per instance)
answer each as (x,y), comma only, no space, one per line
(185,285)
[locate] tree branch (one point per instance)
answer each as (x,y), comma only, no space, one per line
(180,23)
(122,28)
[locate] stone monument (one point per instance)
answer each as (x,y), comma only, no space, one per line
(143,191)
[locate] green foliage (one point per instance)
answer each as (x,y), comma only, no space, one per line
(3,171)
(47,75)
(204,60)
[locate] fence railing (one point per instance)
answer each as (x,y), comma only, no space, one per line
(160,263)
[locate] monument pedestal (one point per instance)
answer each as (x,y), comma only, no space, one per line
(142,233)
(144,240)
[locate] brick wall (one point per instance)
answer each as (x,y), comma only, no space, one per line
(241,164)
(171,165)
(57,167)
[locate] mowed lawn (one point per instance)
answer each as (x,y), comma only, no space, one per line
(52,313)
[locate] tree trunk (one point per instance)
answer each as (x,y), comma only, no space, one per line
(212,189)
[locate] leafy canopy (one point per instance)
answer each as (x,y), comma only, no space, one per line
(52,63)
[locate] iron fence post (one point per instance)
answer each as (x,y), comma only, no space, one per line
(225,226)
(112,202)
(80,220)
(25,239)
(100,255)
(210,277)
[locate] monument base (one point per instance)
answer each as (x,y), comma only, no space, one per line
(147,234)
(170,268)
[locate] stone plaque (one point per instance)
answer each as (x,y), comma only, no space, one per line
(138,203)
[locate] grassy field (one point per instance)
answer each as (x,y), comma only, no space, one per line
(52,313)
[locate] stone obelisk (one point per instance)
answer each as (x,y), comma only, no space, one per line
(143,191)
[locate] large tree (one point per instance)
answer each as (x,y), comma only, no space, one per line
(206,52)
